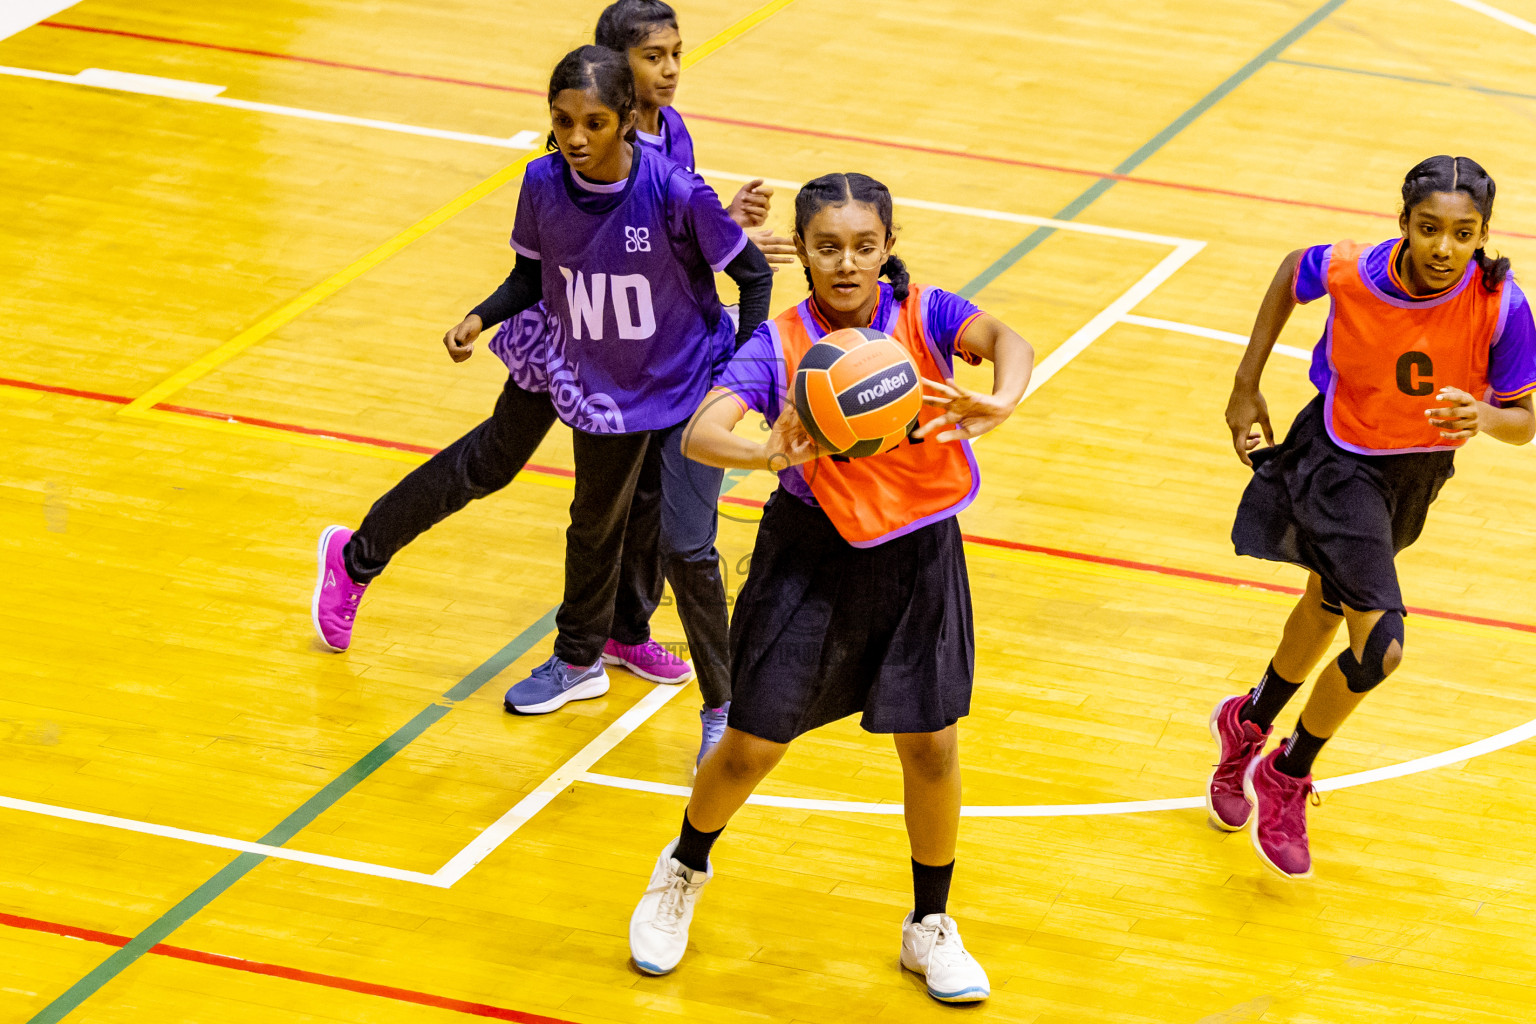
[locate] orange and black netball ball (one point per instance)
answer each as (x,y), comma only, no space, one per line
(857,392)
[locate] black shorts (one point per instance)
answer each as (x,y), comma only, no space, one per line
(822,629)
(1343,516)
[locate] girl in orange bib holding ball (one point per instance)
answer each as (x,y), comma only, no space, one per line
(1429,342)
(858,601)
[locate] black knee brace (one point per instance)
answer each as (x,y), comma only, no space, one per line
(1367,673)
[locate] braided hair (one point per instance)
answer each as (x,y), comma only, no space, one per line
(1458,174)
(837,189)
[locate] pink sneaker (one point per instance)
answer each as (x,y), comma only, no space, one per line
(334,606)
(1240,743)
(1280,835)
(649,660)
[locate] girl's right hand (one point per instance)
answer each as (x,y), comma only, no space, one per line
(460,340)
(788,444)
(1245,409)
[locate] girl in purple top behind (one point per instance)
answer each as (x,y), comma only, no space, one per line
(622,245)
(673,519)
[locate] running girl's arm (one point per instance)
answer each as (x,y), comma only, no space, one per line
(972,413)
(1464,416)
(1246,406)
(709,437)
(754,278)
(522,289)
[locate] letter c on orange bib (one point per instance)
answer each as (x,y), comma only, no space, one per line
(857,392)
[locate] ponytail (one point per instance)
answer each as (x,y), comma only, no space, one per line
(1495,269)
(896,271)
(1458,174)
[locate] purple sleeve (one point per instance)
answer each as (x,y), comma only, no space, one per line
(752,374)
(525,228)
(1311,281)
(705,221)
(946,316)
(1512,362)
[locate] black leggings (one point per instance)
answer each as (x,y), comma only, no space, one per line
(484,461)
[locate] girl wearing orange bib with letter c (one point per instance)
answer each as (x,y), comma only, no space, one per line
(1429,342)
(858,600)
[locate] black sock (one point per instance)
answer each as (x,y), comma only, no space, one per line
(1267,699)
(930,889)
(1298,753)
(693,846)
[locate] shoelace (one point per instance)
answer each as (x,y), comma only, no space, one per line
(669,912)
(1292,819)
(1229,769)
(947,947)
(354,595)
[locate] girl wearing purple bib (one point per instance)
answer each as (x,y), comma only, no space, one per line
(622,245)
(673,519)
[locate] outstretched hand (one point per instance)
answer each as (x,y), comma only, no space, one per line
(970,413)
(789,443)
(776,249)
(460,339)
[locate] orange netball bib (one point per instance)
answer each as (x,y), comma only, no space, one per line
(880,497)
(1389,357)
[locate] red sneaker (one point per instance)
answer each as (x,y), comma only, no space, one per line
(1240,743)
(1280,834)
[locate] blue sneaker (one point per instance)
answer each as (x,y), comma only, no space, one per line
(553,684)
(713,721)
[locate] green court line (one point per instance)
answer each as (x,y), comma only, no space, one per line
(1485,90)
(290,826)
(1157,142)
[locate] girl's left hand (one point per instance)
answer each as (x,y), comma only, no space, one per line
(1460,418)
(749,207)
(971,413)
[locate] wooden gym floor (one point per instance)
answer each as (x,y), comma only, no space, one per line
(223,288)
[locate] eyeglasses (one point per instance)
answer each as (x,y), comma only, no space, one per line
(829,259)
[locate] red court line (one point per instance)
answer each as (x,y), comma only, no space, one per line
(766,126)
(234,963)
(294,428)
(1078,556)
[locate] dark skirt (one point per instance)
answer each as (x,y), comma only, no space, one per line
(1341,515)
(822,629)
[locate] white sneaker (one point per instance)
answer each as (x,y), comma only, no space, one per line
(658,929)
(932,947)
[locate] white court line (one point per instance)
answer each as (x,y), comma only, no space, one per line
(197,92)
(1209,332)
(567,773)
(20,15)
(222,842)
(976,211)
(1509,738)
(1497,15)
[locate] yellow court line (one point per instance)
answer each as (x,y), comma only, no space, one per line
(292,309)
